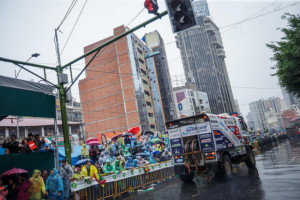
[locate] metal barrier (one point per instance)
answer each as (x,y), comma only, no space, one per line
(116,188)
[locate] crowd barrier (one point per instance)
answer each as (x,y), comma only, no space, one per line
(117,184)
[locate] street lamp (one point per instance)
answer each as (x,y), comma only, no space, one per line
(32,55)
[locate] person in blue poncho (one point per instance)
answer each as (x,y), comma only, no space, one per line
(135,163)
(111,157)
(133,141)
(129,164)
(46,148)
(54,186)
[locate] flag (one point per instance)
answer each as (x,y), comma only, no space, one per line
(32,145)
(134,130)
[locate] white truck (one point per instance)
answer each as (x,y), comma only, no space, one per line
(209,142)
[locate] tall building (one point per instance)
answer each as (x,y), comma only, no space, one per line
(156,44)
(290,99)
(265,114)
(190,102)
(116,93)
(237,107)
(203,61)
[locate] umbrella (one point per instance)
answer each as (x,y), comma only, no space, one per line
(148,132)
(14,171)
(47,140)
(155,140)
(155,152)
(126,134)
(116,137)
(91,139)
(141,154)
(83,161)
(94,143)
(134,130)
(138,146)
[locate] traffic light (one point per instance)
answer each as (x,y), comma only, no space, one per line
(151,6)
(181,14)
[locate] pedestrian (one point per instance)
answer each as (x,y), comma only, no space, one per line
(108,168)
(11,187)
(3,191)
(102,159)
(12,144)
(24,146)
(22,187)
(128,163)
(117,167)
(127,141)
(44,175)
(66,173)
(54,186)
(89,170)
(111,157)
(38,142)
(37,187)
(166,155)
(84,151)
(30,137)
(92,153)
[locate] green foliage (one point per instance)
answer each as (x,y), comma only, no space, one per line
(287,55)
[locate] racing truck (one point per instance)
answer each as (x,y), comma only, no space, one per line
(209,143)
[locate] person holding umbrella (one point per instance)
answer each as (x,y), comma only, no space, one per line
(22,187)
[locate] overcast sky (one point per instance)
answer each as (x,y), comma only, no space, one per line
(27,26)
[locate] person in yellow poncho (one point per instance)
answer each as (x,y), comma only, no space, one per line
(89,170)
(37,186)
(84,151)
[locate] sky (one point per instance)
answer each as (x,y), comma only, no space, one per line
(27,27)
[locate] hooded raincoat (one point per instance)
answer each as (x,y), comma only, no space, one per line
(117,166)
(54,185)
(37,186)
(128,163)
(93,172)
(84,151)
(107,169)
(102,159)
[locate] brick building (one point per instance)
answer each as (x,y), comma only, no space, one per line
(116,93)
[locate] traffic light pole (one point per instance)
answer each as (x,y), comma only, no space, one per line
(59,70)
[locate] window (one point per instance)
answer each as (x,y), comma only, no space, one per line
(148,103)
(150,114)
(145,82)
(141,61)
(140,51)
(144,72)
(147,93)
(201,101)
(152,126)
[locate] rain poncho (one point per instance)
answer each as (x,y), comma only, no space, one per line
(111,158)
(93,172)
(84,151)
(128,163)
(108,168)
(133,141)
(158,148)
(54,185)
(127,153)
(113,148)
(37,186)
(135,163)
(102,159)
(117,166)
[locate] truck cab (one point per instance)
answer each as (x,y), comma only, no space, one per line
(208,142)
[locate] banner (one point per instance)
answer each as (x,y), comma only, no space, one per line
(82,184)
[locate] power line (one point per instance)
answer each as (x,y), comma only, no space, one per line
(136,16)
(73,28)
(67,13)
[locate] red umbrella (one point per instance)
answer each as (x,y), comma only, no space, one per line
(116,137)
(91,140)
(94,143)
(14,171)
(134,130)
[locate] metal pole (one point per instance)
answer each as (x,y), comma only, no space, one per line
(63,108)
(18,133)
(56,161)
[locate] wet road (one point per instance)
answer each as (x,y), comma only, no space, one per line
(277,177)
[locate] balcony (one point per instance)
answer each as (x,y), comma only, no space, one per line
(217,41)
(221,53)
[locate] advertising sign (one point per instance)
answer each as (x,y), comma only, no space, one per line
(206,142)
(188,130)
(203,128)
(174,133)
(176,146)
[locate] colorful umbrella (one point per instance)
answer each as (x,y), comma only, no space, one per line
(14,171)
(116,137)
(91,139)
(134,130)
(94,143)
(126,134)
(83,161)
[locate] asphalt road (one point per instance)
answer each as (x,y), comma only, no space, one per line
(277,177)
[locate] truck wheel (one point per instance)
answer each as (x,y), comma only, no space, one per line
(186,177)
(250,160)
(226,168)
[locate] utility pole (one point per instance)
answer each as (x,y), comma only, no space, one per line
(62,99)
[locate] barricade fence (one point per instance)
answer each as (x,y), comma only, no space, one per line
(117,184)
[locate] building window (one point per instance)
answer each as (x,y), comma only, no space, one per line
(201,101)
(148,103)
(141,61)
(144,72)
(145,82)
(152,126)
(147,93)
(150,114)
(140,51)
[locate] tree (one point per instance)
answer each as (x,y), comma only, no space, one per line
(287,55)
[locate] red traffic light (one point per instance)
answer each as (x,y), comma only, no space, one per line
(151,6)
